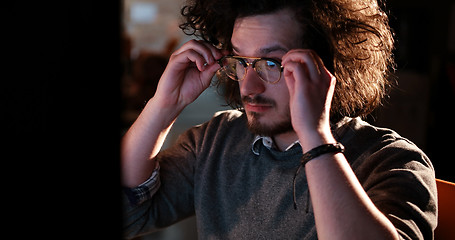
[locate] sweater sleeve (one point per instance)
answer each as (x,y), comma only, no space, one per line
(168,196)
(401,183)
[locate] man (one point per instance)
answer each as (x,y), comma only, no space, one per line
(301,74)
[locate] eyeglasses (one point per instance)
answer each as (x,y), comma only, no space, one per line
(235,67)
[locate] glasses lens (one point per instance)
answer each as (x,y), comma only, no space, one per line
(269,71)
(233,68)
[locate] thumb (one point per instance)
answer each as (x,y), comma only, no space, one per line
(209,71)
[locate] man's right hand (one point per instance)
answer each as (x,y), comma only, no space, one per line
(188,74)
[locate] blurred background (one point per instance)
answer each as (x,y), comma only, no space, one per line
(420,109)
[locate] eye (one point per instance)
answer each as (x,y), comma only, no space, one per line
(271,65)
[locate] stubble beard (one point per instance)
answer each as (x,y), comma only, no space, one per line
(258,127)
(262,129)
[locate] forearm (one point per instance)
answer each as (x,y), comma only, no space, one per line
(187,75)
(341,207)
(144,140)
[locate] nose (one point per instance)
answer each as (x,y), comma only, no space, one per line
(251,85)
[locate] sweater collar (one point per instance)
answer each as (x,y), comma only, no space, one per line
(268,143)
(338,129)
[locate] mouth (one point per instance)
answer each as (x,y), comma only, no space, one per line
(258,108)
(257,104)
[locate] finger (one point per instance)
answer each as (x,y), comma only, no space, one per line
(290,81)
(216,53)
(297,78)
(187,58)
(209,52)
(297,71)
(210,70)
(306,58)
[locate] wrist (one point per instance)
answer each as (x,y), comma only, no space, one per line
(311,139)
(156,109)
(321,150)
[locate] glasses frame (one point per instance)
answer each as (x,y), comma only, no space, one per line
(245,64)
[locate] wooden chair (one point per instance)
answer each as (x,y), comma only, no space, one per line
(446,211)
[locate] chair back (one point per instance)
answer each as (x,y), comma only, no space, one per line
(446,211)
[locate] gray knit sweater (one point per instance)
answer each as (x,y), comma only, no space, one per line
(241,190)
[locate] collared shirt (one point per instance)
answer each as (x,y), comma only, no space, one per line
(144,191)
(268,143)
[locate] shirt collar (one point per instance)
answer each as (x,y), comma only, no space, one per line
(268,143)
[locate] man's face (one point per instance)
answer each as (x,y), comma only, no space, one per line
(272,36)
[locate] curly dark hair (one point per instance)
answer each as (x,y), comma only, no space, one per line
(352,37)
